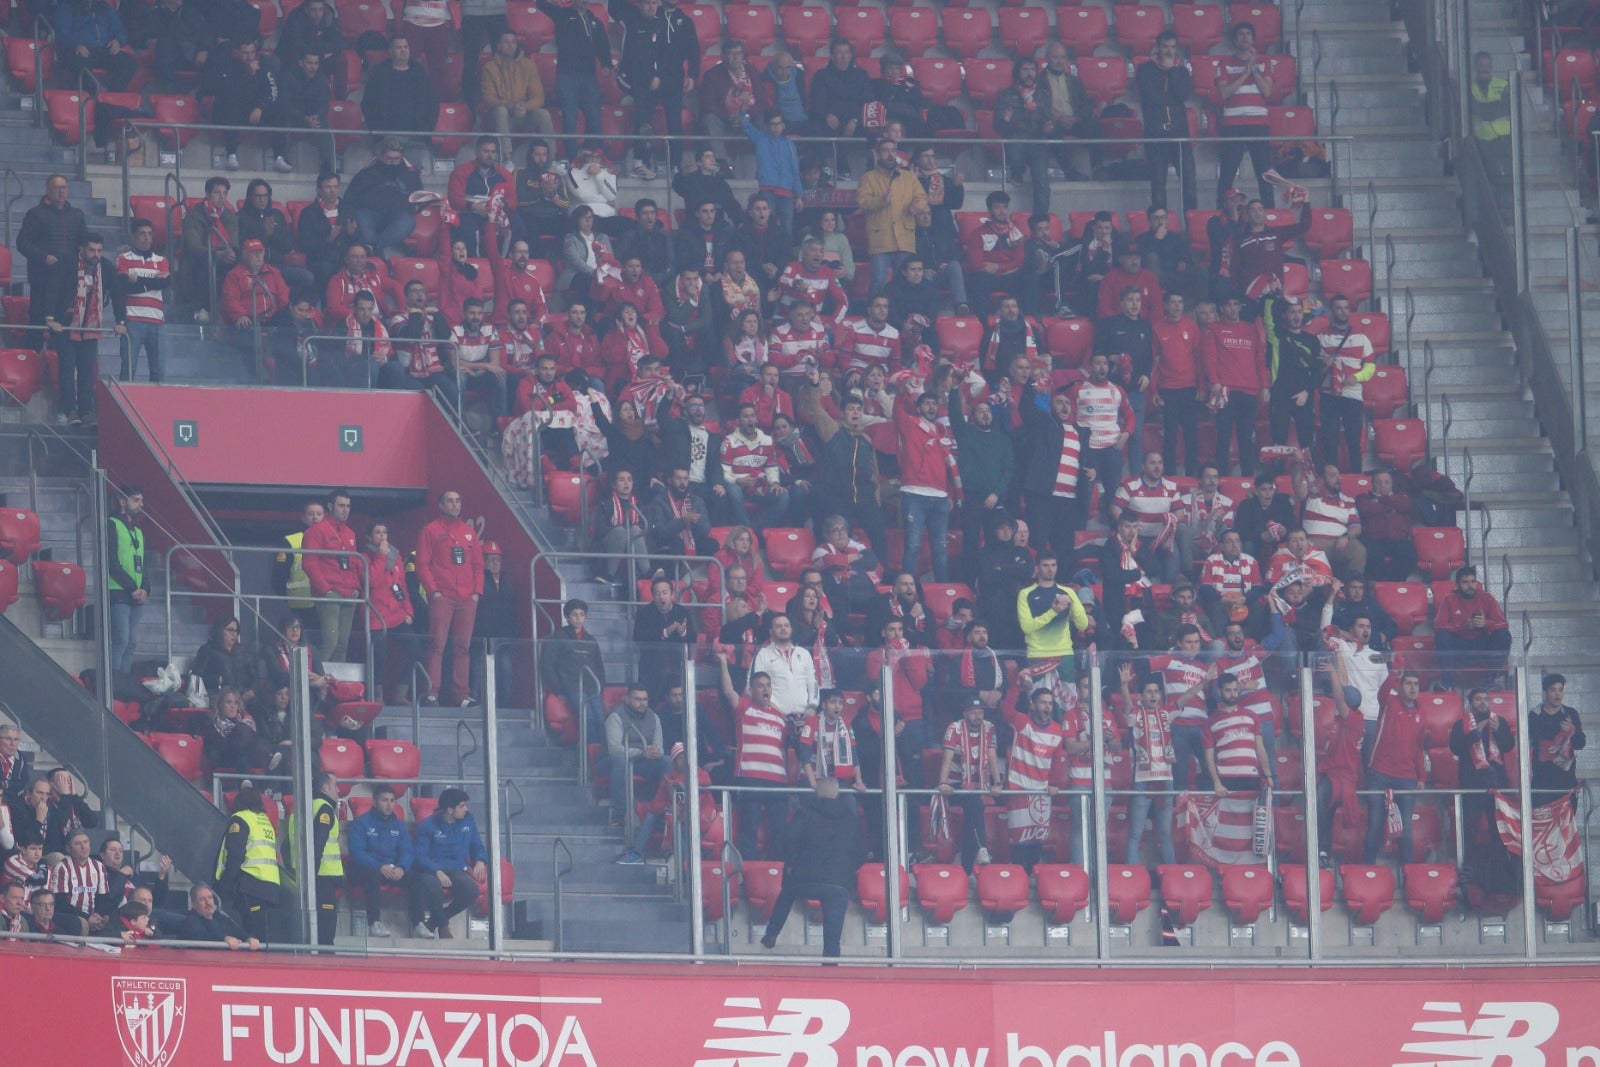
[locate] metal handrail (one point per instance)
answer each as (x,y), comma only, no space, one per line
(1468,471)
(1372,219)
(582,712)
(586,458)
(42,31)
(1411,314)
(1449,421)
(1316,59)
(1427,377)
(461,757)
(559,845)
(393,342)
(82,148)
(176,194)
(1389,260)
(1508,579)
(1483,534)
(6,178)
(416,698)
(1527,633)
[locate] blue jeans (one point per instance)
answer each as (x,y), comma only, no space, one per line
(382,230)
(1139,809)
(917,511)
(773,503)
(1377,815)
(884,264)
(955,278)
(1107,465)
(834,899)
(123,617)
(145,335)
(651,770)
(579,93)
(1188,741)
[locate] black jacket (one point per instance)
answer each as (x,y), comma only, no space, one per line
(675,445)
(317,239)
(581,40)
(497,609)
(300,97)
(278,237)
(689,248)
(696,188)
(562,659)
(50,231)
(1162,95)
(197,927)
(398,101)
(906,299)
(381,187)
(822,842)
(1119,335)
(1039,455)
(218,668)
(653,247)
(839,92)
(298,35)
(15,783)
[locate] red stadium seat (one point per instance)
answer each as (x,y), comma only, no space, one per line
(1291,123)
(940,78)
(872,891)
(806,30)
(1128,890)
(176,109)
(1082,29)
(1204,70)
(1068,341)
(127,712)
(345,759)
(1430,889)
(155,209)
(21,373)
(1443,770)
(1427,830)
(1063,891)
(762,883)
(1297,891)
(1199,26)
(752,23)
(1406,603)
(1289,833)
(180,752)
(356,806)
(711,878)
(940,598)
(941,890)
(394,760)
(1194,223)
(62,588)
(966,30)
(788,551)
(508,886)
(1375,324)
(1296,279)
(778,591)
(1350,278)
(423,240)
(61,107)
(1386,392)
(1331,233)
(1368,891)
(959,337)
(1024,30)
(1002,889)
(986,79)
(1264,17)
(707,21)
(1104,77)
(916,29)
(360,16)
(27,62)
(1440,711)
(1285,75)
(1137,26)
(1186,890)
(1247,889)
(345,115)
(1126,129)
(1571,65)
(864,27)
(19,534)
(453,118)
(405,270)
(352,715)
(1440,550)
(1400,442)
(422,807)
(1560,899)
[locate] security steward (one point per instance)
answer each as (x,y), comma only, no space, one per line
(326,846)
(247,864)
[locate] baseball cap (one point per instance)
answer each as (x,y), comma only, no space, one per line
(492,548)
(1233,194)
(676,750)
(975,702)
(254,245)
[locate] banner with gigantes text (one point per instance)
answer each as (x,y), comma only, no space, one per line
(173,1008)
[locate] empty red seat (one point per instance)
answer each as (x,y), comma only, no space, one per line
(707,24)
(1560,899)
(508,886)
(959,338)
(1440,711)
(182,110)
(940,598)
(752,23)
(21,373)
(762,883)
(1024,30)
(1350,278)
(711,889)
(407,269)
(1368,891)
(916,29)
(1247,889)
(1375,324)
(1285,75)
(422,807)
(352,715)
(941,890)
(1440,549)
(1002,888)
(345,115)
(1128,891)
(1406,602)
(1063,890)
(356,806)
(1186,890)
(1194,224)
(61,107)
(62,588)
(1264,17)
(395,759)
(361,16)
(1430,889)
(1332,232)
(19,534)
(807,29)
(788,552)
(127,712)
(453,118)
(872,891)
(28,63)
(1199,26)
(966,30)
(1574,65)
(1297,890)
(1289,833)
(1105,78)
(180,752)
(1082,29)
(343,758)
(1400,442)
(1137,26)
(986,79)
(864,27)
(559,722)
(1069,341)
(940,78)
(1386,392)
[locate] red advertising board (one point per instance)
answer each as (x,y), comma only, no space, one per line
(172,1008)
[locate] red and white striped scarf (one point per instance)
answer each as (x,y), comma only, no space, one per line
(1130,562)
(969,673)
(680,510)
(1067,467)
(89,300)
(972,755)
(836,745)
(624,511)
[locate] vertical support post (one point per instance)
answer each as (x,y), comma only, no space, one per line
(1530,917)
(1308,755)
(101,518)
(1463,58)
(1575,384)
(891,815)
(1097,750)
(691,817)
(491,744)
(304,844)
(1519,182)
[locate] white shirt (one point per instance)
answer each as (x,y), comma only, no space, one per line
(794,677)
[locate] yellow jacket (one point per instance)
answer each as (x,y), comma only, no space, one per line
(888,201)
(512,81)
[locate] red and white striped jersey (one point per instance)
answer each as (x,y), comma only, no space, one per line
(1245,665)
(747,460)
(1352,355)
(521,347)
(1314,563)
(1258,702)
(475,346)
(79,883)
(1033,750)
(1150,502)
(1178,675)
(761,733)
(144,268)
(798,285)
(862,347)
(1104,411)
(1068,464)
(795,351)
(1232,735)
(1326,517)
(1080,767)
(18,870)
(1246,106)
(1230,577)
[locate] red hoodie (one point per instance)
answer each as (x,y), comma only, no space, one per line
(1398,749)
(449,559)
(927,452)
(339,575)
(1117,279)
(1454,613)
(1234,356)
(1178,365)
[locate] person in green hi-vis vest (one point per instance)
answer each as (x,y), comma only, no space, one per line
(125,576)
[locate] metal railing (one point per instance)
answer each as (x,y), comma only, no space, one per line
(626,596)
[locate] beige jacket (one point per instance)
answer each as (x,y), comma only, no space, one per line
(890,202)
(514,81)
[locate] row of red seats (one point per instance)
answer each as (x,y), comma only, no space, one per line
(61,587)
(389,758)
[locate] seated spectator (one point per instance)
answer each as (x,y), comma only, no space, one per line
(633,286)
(809,280)
(479,357)
(1353,599)
(704,243)
(995,255)
(13,908)
(90,35)
(380,855)
(513,92)
(1102,247)
(41,917)
(541,215)
(572,341)
(1470,631)
(427,365)
(1264,518)
(262,221)
(1129,273)
(177,30)
(727,94)
(229,735)
(1298,560)
(1228,579)
(679,518)
(25,867)
(253,294)
(740,293)
(325,230)
(380,196)
(206,921)
(358,276)
(79,883)
(912,291)
(245,94)
(836,251)
(295,358)
(275,662)
(1332,521)
(620,528)
(781,87)
(302,101)
(448,856)
(1166,252)
(471,186)
(594,185)
(1387,518)
(766,244)
(648,241)
(633,749)
(312,28)
(224,661)
(122,880)
(210,239)
(398,100)
(1071,110)
(586,253)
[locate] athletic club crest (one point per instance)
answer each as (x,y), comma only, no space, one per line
(150,1014)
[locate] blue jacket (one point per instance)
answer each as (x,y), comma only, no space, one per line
(376,841)
(94,27)
(442,846)
(777,162)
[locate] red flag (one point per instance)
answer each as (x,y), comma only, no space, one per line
(1555,836)
(1218,829)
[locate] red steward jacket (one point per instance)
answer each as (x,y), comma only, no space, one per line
(449,559)
(339,575)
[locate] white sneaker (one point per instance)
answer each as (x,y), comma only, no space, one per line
(231,163)
(281,165)
(982,857)
(424,931)
(380,929)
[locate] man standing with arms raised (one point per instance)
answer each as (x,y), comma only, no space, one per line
(450,570)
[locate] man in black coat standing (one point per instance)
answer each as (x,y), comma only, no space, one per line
(820,863)
(51,233)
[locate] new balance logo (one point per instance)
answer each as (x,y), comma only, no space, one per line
(1504,1034)
(800,1033)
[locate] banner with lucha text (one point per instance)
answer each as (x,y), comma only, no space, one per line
(152,1007)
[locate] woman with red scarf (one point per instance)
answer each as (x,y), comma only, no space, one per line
(620,526)
(626,343)
(79,349)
